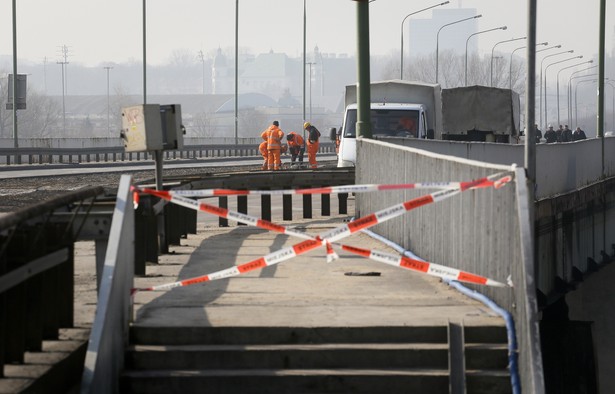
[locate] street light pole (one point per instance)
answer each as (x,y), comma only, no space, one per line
(474,34)
(401,67)
(438,37)
(108,116)
(201,57)
(546,68)
(511,61)
(562,69)
(310,76)
(576,115)
(570,88)
(493,49)
(541,63)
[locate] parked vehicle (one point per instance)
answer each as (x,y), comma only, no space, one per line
(398,109)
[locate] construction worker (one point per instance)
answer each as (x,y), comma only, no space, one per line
(313,135)
(296,145)
(273,136)
(262,148)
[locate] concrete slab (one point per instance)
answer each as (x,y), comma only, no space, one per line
(304,291)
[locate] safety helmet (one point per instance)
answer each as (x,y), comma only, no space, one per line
(306,125)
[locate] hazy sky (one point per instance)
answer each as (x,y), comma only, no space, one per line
(99,31)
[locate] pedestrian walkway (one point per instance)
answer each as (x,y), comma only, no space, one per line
(304,291)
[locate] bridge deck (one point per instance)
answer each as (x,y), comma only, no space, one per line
(304,291)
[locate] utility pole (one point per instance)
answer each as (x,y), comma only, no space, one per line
(108,116)
(201,57)
(63,63)
(310,76)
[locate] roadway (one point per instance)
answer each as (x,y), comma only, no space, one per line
(44,170)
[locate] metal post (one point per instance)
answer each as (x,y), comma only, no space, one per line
(401,67)
(471,35)
(438,38)
(562,69)
(14,87)
(493,49)
(108,112)
(546,68)
(541,81)
(304,60)
(236,72)
(310,77)
(363,88)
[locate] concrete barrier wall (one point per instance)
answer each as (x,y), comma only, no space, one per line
(560,167)
(478,231)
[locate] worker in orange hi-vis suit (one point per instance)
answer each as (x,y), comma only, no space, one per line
(296,145)
(313,135)
(273,135)
(262,148)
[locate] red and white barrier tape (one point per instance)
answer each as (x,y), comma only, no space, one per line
(345,189)
(311,242)
(422,266)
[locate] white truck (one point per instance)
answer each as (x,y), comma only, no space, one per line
(480,113)
(398,109)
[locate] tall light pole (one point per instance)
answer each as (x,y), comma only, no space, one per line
(438,37)
(557,84)
(493,49)
(201,57)
(303,71)
(546,68)
(108,112)
(310,64)
(401,67)
(573,97)
(14,85)
(236,72)
(511,60)
(63,63)
(576,117)
(472,35)
(541,68)
(570,87)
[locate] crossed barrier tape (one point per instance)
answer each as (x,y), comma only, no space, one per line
(342,189)
(330,237)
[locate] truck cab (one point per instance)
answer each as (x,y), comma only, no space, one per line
(403,120)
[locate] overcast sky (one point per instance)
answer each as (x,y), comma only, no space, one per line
(98,31)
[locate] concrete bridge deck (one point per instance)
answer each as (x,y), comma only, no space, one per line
(304,291)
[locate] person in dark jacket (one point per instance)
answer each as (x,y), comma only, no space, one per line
(550,135)
(537,133)
(578,134)
(566,134)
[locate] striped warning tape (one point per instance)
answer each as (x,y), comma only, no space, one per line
(422,266)
(481,183)
(311,242)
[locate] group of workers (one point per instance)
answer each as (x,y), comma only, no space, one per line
(272,148)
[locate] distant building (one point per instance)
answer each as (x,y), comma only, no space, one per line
(423,33)
(279,76)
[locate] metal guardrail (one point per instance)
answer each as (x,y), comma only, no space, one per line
(10,156)
(105,355)
(36,273)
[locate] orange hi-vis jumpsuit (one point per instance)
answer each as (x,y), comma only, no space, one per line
(312,145)
(295,146)
(273,135)
(262,148)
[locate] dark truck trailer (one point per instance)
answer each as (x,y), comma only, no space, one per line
(480,113)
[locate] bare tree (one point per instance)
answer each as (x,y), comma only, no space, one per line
(203,125)
(42,116)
